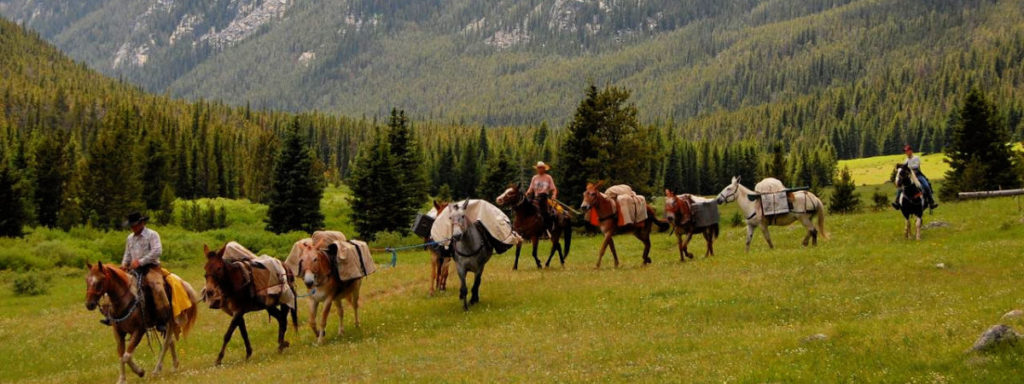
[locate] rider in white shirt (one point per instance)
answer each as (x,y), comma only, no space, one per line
(914,162)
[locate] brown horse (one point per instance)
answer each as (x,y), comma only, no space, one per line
(323,284)
(679,212)
(126,311)
(229,288)
(439,265)
(529,223)
(608,218)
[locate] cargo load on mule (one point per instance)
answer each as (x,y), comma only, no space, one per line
(497,224)
(705,212)
(350,259)
(776,199)
(631,207)
(267,276)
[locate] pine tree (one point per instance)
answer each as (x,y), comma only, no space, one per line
(165,210)
(469,172)
(981,138)
(50,179)
(12,211)
(154,172)
(674,171)
(776,166)
(844,197)
(500,173)
(604,142)
(373,179)
(113,189)
(296,191)
(411,182)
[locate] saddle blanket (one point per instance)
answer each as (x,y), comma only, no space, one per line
(497,223)
(180,301)
(352,261)
(705,212)
(269,275)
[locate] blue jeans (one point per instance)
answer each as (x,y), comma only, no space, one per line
(926,187)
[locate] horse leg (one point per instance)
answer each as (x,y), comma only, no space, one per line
(435,272)
(130,350)
(767,237)
(227,337)
(812,233)
(463,291)
(476,285)
(281,315)
(555,246)
(519,248)
(604,245)
(341,316)
(919,228)
(245,336)
(354,300)
(906,232)
(167,342)
(750,235)
(611,247)
(647,247)
(709,242)
(686,245)
(679,244)
(536,242)
(120,352)
(321,327)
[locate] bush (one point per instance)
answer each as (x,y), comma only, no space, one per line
(736,220)
(844,198)
(31,284)
(63,254)
(21,259)
(880,200)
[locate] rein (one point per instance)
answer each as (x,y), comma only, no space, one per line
(135,299)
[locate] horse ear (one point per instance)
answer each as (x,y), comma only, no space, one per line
(465,205)
(437,206)
(99,264)
(332,250)
(737,178)
(668,193)
(206,249)
(599,184)
(88,265)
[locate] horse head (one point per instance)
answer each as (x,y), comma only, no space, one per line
(315,263)
(216,273)
(510,195)
(458,220)
(591,195)
(728,194)
(96,284)
(670,205)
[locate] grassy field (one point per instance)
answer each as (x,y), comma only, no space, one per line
(889,314)
(878,169)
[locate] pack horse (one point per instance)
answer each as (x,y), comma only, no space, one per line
(772,204)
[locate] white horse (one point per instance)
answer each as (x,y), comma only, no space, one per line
(754,215)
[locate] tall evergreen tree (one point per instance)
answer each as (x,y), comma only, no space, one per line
(155,172)
(50,179)
(981,138)
(373,179)
(411,181)
(674,171)
(295,194)
(12,211)
(469,172)
(604,142)
(113,189)
(844,198)
(500,173)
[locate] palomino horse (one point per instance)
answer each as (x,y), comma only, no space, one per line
(755,216)
(608,215)
(228,288)
(321,278)
(529,224)
(679,212)
(127,314)
(911,197)
(471,251)
(439,265)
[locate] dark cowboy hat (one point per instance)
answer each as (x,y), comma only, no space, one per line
(135,218)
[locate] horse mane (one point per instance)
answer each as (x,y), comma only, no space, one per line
(118,273)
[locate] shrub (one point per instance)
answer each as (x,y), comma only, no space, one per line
(736,220)
(844,198)
(880,200)
(31,284)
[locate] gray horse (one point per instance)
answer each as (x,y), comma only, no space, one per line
(470,249)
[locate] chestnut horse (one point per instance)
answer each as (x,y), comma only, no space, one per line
(126,312)
(529,223)
(439,265)
(608,218)
(679,212)
(229,289)
(321,278)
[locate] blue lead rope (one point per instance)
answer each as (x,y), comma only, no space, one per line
(394,250)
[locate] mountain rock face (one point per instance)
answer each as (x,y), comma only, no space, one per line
(514,61)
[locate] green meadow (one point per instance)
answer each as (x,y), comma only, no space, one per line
(888,312)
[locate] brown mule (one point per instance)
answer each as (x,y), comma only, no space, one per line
(608,218)
(439,265)
(127,315)
(322,281)
(529,223)
(228,289)
(678,211)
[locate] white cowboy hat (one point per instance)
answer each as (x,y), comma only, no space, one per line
(540,164)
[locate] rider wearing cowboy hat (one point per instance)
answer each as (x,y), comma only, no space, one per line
(542,187)
(142,252)
(914,162)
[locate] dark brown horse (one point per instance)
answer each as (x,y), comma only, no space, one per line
(229,288)
(529,223)
(439,265)
(679,212)
(608,220)
(127,311)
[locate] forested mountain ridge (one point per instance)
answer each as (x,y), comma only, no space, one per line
(863,74)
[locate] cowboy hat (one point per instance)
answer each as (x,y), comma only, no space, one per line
(540,164)
(135,218)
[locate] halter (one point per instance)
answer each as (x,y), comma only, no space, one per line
(477,251)
(725,198)
(106,291)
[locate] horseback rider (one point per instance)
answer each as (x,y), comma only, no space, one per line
(542,188)
(142,252)
(914,163)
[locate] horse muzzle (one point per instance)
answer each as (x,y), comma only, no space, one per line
(308,280)
(90,305)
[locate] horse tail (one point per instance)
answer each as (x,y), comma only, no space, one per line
(714,231)
(568,240)
(821,218)
(662,224)
(294,307)
(190,313)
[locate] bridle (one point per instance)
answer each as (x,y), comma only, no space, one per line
(725,198)
(465,228)
(105,290)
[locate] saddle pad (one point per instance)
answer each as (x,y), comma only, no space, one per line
(705,213)
(357,261)
(774,203)
(180,301)
(270,279)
